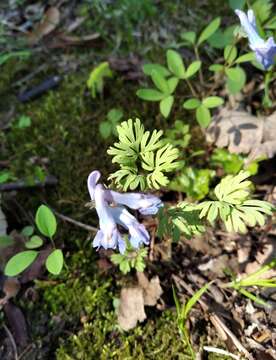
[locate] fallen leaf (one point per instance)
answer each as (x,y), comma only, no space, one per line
(3,222)
(48,23)
(151,289)
(132,301)
(242,132)
(131,308)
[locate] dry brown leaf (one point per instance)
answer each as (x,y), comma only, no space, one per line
(131,308)
(151,289)
(244,133)
(132,301)
(49,22)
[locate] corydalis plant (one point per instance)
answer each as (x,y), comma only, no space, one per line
(111,213)
(265,51)
(144,158)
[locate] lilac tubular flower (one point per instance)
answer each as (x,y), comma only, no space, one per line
(109,216)
(108,236)
(137,231)
(146,204)
(265,51)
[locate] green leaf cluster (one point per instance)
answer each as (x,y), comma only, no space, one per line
(46,223)
(181,219)
(203,114)
(143,157)
(109,126)
(234,206)
(131,259)
(179,135)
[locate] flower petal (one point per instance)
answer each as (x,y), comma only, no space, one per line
(92,180)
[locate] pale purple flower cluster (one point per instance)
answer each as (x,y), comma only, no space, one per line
(265,51)
(111,213)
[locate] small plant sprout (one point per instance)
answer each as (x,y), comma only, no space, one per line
(46,223)
(111,213)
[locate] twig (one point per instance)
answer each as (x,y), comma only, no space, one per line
(21,184)
(220,351)
(12,341)
(75,222)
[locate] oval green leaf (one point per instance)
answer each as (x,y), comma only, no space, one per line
(148,68)
(193,69)
(150,94)
(54,262)
(20,262)
(27,231)
(175,64)
(191,104)
(34,242)
(212,101)
(203,116)
(46,221)
(209,31)
(230,53)
(160,82)
(166,106)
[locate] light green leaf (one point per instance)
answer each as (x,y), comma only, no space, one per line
(212,101)
(105,129)
(34,242)
(166,106)
(27,231)
(193,69)
(216,67)
(245,58)
(54,262)
(230,53)
(20,262)
(46,221)
(209,31)
(172,82)
(175,64)
(189,36)
(191,104)
(236,79)
(150,94)
(160,82)
(203,116)
(194,299)
(148,68)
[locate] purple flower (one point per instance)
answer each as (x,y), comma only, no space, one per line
(146,204)
(111,215)
(137,231)
(108,236)
(265,51)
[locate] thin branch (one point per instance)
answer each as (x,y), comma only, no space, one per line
(10,336)
(75,222)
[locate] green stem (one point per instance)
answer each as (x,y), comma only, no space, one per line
(191,88)
(201,79)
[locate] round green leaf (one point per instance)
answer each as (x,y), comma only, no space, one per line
(166,106)
(105,129)
(212,101)
(160,82)
(236,79)
(175,64)
(203,116)
(150,94)
(34,242)
(54,262)
(193,69)
(191,104)
(209,31)
(20,262)
(46,221)
(27,231)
